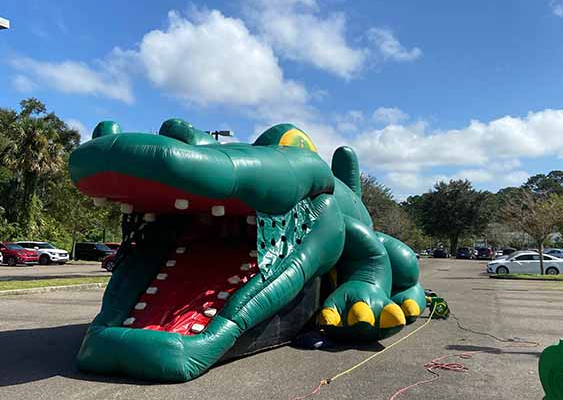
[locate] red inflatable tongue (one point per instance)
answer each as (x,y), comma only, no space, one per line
(192,287)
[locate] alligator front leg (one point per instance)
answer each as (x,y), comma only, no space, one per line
(361,307)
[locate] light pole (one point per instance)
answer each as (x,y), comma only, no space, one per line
(4,23)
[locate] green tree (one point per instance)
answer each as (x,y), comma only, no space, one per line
(537,215)
(34,148)
(541,184)
(451,210)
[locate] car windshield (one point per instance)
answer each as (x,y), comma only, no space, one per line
(45,245)
(13,246)
(102,247)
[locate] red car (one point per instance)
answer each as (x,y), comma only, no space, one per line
(14,254)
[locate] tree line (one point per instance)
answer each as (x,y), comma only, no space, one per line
(37,198)
(457,214)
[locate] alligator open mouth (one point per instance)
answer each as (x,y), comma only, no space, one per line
(210,260)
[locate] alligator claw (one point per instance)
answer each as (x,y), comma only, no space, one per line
(360,312)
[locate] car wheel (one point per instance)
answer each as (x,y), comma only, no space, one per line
(110,265)
(502,270)
(11,261)
(552,271)
(44,260)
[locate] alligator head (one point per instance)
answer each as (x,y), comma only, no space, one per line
(226,235)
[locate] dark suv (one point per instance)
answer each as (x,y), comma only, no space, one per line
(484,253)
(464,252)
(91,251)
(441,253)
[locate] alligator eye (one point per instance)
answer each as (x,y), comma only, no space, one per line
(106,128)
(298,241)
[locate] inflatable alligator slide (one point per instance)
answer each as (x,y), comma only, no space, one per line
(225,247)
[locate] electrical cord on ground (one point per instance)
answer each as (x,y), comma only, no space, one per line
(437,364)
(433,365)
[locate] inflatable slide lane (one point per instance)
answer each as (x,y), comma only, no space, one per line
(229,240)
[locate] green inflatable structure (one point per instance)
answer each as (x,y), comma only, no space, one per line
(232,248)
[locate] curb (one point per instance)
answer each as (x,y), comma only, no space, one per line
(524,279)
(46,289)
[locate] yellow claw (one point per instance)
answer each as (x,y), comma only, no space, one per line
(360,312)
(392,316)
(410,308)
(329,316)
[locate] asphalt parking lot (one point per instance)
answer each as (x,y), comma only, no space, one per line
(40,335)
(73,270)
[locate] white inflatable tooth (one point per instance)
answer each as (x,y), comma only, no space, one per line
(245,267)
(170,263)
(129,321)
(234,280)
(210,312)
(223,295)
(150,217)
(140,306)
(218,211)
(251,220)
(181,204)
(197,328)
(161,277)
(151,290)
(253,253)
(126,208)
(180,250)
(100,201)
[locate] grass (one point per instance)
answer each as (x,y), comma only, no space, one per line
(36,283)
(530,277)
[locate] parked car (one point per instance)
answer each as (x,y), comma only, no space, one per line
(48,253)
(484,253)
(464,252)
(108,262)
(498,253)
(555,252)
(113,246)
(14,254)
(1,258)
(526,262)
(91,251)
(507,251)
(441,253)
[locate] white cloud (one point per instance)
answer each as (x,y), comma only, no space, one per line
(22,83)
(389,115)
(76,77)
(413,147)
(556,7)
(298,32)
(215,59)
(79,126)
(388,47)
(349,122)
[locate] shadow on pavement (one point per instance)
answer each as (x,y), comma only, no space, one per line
(30,355)
(496,350)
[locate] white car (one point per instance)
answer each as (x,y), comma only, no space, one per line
(526,262)
(48,254)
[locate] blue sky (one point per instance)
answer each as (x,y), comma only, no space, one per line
(458,89)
